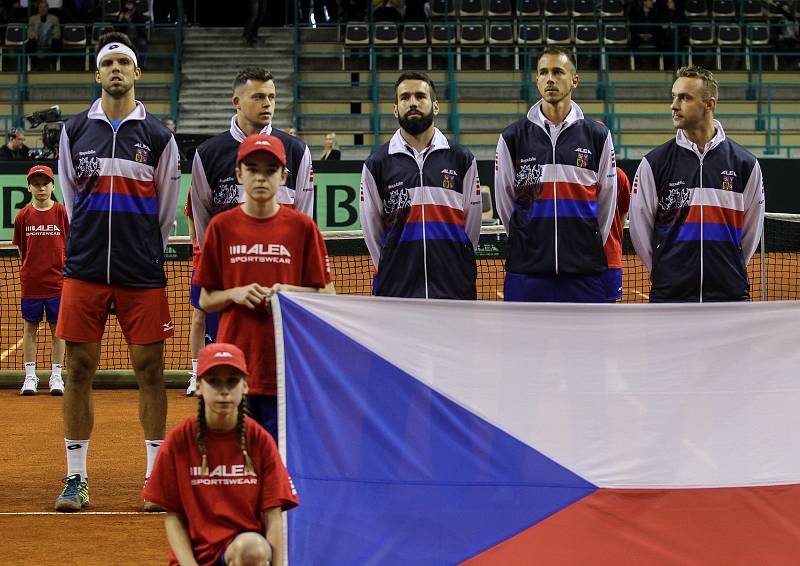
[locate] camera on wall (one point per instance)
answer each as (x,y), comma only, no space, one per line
(51,132)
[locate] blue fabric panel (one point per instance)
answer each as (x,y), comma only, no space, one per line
(122,203)
(711,232)
(434,231)
(566,208)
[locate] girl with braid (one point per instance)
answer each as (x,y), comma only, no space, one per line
(219,475)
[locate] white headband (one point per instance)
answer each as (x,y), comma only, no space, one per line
(112,48)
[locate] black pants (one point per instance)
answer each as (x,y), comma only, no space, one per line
(257,10)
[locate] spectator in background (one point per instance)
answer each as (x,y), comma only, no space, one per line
(15,149)
(670,14)
(645,31)
(292,132)
(132,22)
(170,124)
(386,11)
(331,151)
(44,33)
(79,10)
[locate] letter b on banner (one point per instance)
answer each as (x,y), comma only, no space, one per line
(342,211)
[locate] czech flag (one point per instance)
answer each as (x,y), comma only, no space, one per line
(447,432)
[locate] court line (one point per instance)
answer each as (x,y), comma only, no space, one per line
(8,513)
(13,348)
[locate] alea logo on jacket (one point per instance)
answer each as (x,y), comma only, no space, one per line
(259,253)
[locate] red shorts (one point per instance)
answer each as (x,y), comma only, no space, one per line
(143,314)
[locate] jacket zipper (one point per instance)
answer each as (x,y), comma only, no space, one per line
(111,200)
(424,230)
(702,225)
(555,198)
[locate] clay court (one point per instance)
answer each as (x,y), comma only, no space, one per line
(111,530)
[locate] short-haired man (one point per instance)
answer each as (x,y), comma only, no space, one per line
(120,178)
(15,149)
(421,203)
(697,207)
(555,187)
(214,185)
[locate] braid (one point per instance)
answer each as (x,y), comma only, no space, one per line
(248,463)
(201,436)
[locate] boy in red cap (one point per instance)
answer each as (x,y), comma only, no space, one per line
(250,253)
(40,233)
(219,475)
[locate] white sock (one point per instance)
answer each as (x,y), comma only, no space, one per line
(56,370)
(194,367)
(30,369)
(76,457)
(152,447)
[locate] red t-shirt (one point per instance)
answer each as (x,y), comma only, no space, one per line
(227,501)
(613,245)
(41,236)
(238,250)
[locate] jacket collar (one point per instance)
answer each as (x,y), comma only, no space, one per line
(96,112)
(240,136)
(398,145)
(536,116)
(719,137)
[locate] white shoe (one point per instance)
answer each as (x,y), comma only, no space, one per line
(190,390)
(29,386)
(56,386)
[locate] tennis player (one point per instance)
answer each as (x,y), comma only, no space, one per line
(219,475)
(120,177)
(204,325)
(40,233)
(251,252)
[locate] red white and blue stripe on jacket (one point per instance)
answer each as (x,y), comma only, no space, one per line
(555,187)
(121,192)
(696,218)
(421,214)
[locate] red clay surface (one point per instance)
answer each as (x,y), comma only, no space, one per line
(34,463)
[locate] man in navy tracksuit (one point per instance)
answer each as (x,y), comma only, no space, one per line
(215,188)
(421,204)
(555,188)
(120,175)
(697,207)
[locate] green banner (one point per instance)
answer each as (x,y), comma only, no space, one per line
(336,208)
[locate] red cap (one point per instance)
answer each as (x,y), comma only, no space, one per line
(220,354)
(41,170)
(262,142)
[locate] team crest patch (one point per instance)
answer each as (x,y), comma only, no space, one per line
(448,181)
(582,157)
(728,178)
(142,153)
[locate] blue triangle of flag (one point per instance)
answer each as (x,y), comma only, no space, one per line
(389,470)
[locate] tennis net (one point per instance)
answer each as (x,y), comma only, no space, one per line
(774,275)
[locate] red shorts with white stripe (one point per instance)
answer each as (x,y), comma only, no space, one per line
(143,314)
